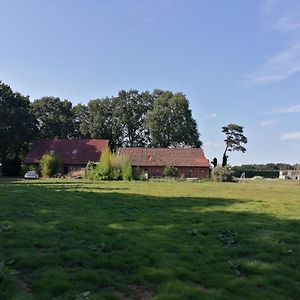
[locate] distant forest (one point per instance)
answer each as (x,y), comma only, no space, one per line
(269,170)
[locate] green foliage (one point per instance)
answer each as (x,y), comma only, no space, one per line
(139,174)
(235,139)
(139,119)
(50,165)
(18,127)
(90,170)
(112,166)
(222,174)
(102,122)
(132,107)
(127,170)
(55,117)
(170,171)
(252,173)
(266,167)
(81,121)
(104,167)
(136,172)
(170,122)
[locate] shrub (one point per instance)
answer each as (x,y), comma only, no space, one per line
(50,165)
(222,174)
(252,173)
(170,171)
(127,171)
(90,170)
(103,168)
(112,166)
(136,172)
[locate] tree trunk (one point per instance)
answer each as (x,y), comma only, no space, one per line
(225,157)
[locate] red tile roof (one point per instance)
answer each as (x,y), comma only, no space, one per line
(178,157)
(73,152)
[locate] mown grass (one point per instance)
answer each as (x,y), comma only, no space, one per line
(149,240)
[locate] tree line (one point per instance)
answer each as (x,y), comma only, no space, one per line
(130,119)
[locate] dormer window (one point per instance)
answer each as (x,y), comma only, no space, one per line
(74,151)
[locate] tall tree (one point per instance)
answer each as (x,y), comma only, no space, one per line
(170,122)
(81,121)
(103,123)
(18,127)
(131,109)
(235,139)
(55,117)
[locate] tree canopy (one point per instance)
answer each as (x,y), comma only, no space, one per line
(18,127)
(55,117)
(170,122)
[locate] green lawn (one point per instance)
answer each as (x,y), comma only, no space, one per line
(149,240)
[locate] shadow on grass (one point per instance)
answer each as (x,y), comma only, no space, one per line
(62,244)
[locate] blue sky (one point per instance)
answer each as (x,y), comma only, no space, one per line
(237,61)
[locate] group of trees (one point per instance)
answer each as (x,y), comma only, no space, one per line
(132,118)
(268,167)
(18,127)
(269,170)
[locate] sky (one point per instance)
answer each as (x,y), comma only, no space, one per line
(236,61)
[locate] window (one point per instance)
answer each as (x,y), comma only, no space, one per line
(74,151)
(51,152)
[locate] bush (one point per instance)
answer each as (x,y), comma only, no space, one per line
(50,165)
(90,170)
(136,172)
(252,173)
(170,171)
(127,171)
(222,174)
(103,168)
(112,166)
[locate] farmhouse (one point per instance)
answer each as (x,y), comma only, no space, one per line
(73,154)
(190,162)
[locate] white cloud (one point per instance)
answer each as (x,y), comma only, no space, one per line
(267,123)
(213,115)
(290,136)
(281,16)
(279,67)
(292,109)
(288,23)
(287,110)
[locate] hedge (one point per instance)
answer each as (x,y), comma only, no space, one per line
(252,173)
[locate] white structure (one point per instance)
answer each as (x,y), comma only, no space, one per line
(289,174)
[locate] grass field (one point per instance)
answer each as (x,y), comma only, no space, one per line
(149,240)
